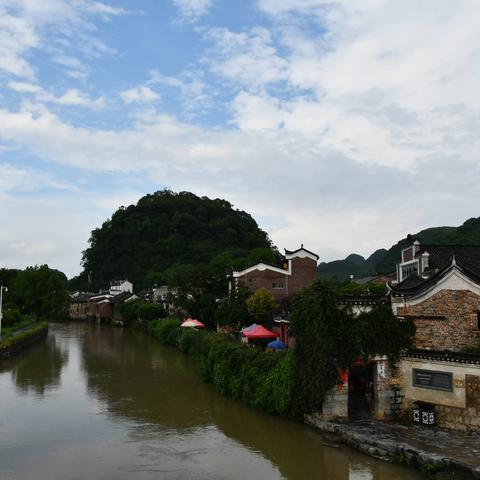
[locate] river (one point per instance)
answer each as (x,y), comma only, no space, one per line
(94,402)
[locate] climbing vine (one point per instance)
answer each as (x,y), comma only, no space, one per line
(329,338)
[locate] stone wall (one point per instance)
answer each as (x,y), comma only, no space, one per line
(458,409)
(383,393)
(445,321)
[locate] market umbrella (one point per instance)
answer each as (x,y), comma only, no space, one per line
(277,345)
(192,323)
(259,332)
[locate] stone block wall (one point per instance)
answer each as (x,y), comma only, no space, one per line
(383,393)
(458,409)
(335,405)
(445,321)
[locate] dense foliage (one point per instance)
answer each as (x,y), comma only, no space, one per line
(139,309)
(260,305)
(173,238)
(233,310)
(260,379)
(329,338)
(384,261)
(36,293)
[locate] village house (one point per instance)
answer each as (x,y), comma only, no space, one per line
(299,271)
(120,286)
(438,287)
(104,306)
(78,309)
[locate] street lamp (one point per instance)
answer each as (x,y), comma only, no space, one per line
(2,289)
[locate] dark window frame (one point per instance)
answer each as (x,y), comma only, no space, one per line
(432,387)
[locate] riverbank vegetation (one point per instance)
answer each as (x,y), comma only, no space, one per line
(15,341)
(295,382)
(35,294)
(260,379)
(329,338)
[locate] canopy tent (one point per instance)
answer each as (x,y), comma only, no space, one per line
(192,323)
(277,345)
(259,332)
(250,328)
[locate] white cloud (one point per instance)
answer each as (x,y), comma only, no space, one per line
(192,10)
(25,25)
(248,58)
(141,94)
(349,124)
(72,97)
(23,87)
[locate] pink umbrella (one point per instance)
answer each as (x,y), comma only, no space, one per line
(192,323)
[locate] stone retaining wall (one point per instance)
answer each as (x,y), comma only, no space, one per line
(372,440)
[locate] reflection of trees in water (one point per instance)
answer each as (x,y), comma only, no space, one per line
(139,379)
(38,369)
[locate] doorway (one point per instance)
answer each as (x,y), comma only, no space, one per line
(360,391)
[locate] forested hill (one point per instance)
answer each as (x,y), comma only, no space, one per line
(383,261)
(171,234)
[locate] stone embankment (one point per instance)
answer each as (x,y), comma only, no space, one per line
(427,449)
(13,345)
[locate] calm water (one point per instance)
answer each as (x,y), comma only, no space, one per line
(99,403)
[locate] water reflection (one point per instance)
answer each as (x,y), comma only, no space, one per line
(39,368)
(162,389)
(122,407)
(138,379)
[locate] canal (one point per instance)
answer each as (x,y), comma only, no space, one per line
(100,403)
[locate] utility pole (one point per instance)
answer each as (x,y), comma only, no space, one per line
(2,289)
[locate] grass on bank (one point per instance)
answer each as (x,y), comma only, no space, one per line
(8,341)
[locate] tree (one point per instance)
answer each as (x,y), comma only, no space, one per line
(165,230)
(233,310)
(140,309)
(329,338)
(42,292)
(260,305)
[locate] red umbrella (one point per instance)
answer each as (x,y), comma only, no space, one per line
(259,332)
(192,323)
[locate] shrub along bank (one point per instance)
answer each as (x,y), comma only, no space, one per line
(295,382)
(260,379)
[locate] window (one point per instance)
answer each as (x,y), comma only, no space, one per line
(408,270)
(478,321)
(277,285)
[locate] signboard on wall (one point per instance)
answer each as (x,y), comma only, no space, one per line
(432,379)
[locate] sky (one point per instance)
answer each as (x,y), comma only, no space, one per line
(343,125)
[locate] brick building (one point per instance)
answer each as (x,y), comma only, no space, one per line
(438,287)
(299,271)
(79,306)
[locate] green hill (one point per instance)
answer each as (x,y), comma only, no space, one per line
(384,261)
(167,234)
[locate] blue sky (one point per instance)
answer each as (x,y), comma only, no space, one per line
(341,125)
